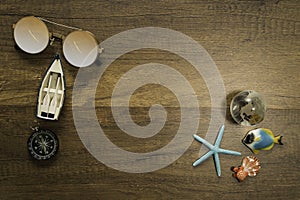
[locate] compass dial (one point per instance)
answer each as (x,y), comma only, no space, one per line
(42,144)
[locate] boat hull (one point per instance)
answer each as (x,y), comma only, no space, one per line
(52,92)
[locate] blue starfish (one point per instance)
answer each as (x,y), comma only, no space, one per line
(214,150)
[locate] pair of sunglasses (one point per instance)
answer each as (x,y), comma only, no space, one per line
(80,48)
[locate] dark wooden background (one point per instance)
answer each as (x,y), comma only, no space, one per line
(255,44)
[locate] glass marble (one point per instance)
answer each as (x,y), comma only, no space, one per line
(248,108)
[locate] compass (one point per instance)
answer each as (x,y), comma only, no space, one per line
(42,144)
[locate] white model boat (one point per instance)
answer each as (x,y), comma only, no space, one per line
(52,92)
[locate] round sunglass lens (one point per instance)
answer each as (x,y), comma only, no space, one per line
(80,48)
(31,35)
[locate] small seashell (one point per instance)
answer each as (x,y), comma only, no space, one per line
(250,167)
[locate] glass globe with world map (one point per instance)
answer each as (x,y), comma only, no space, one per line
(248,108)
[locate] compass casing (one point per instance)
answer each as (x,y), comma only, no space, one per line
(43,144)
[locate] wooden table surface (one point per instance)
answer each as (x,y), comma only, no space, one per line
(255,45)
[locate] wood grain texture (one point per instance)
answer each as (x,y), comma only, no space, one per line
(255,45)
